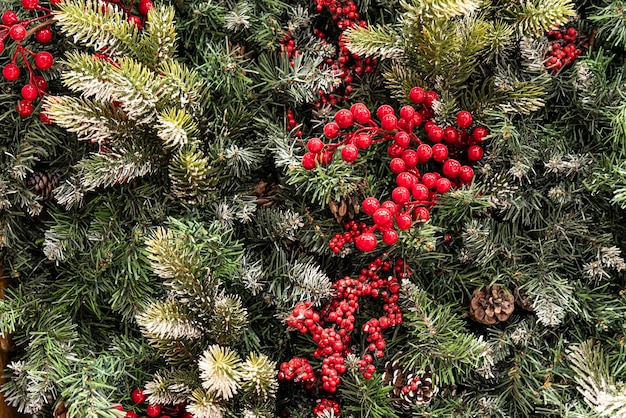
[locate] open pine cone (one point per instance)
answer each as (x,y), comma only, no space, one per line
(491,304)
(42,183)
(407,389)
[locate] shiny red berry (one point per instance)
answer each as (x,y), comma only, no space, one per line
(406,179)
(389,122)
(464,119)
(370,205)
(138,396)
(30,92)
(45,118)
(349,153)
(417,95)
(331,130)
(135,20)
(130,414)
(410,158)
(361,113)
(41,83)
(421,214)
(44,35)
(424,152)
(475,152)
(9,18)
(145,6)
(153,410)
(308,161)
(404,221)
(479,134)
(430,97)
(44,60)
(11,72)
(24,107)
(407,112)
(435,133)
(382,217)
(402,138)
(30,4)
(400,195)
(344,118)
(118,407)
(420,192)
(440,152)
(363,141)
(397,165)
(466,174)
(390,237)
(384,110)
(451,168)
(17,32)
(315,145)
(366,242)
(443,185)
(430,180)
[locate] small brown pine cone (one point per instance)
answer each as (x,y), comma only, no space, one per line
(266,193)
(522,300)
(42,183)
(406,389)
(345,208)
(491,304)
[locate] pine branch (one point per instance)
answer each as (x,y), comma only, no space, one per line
(537,16)
(437,9)
(169,320)
(374,41)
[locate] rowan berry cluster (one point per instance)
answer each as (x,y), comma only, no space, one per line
(416,191)
(333,326)
(20,30)
(154,410)
(565,48)
(353,230)
(323,406)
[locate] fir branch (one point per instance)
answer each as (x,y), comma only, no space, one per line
(205,404)
(537,16)
(220,371)
(176,127)
(228,320)
(191,176)
(171,387)
(422,10)
(158,39)
(169,320)
(374,41)
(595,382)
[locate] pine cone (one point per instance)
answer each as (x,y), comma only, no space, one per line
(266,193)
(523,301)
(408,390)
(345,208)
(491,304)
(42,183)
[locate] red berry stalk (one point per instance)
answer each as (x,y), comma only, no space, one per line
(566,47)
(416,191)
(332,327)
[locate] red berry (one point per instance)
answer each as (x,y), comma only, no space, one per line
(9,18)
(30,92)
(135,20)
(1,46)
(349,153)
(410,158)
(130,414)
(388,122)
(382,217)
(440,152)
(464,119)
(363,141)
(451,168)
(370,205)
(145,6)
(44,118)
(390,237)
(44,35)
(331,130)
(344,118)
(435,133)
(41,83)
(407,112)
(420,192)
(30,4)
(405,179)
(11,72)
(417,94)
(361,113)
(315,145)
(450,134)
(44,60)
(421,214)
(17,32)
(138,396)
(153,410)
(24,107)
(428,126)
(397,165)
(384,110)
(366,242)
(308,161)
(424,152)
(402,138)
(475,152)
(394,150)
(400,195)
(430,180)
(466,175)
(117,406)
(430,97)
(443,185)
(404,221)
(479,134)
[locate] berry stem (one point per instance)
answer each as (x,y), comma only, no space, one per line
(42,25)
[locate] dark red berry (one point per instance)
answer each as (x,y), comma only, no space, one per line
(25,108)
(11,72)
(366,242)
(430,97)
(30,92)
(17,32)
(138,396)
(130,414)
(464,119)
(421,215)
(44,35)
(417,95)
(30,4)
(344,118)
(466,174)
(153,410)
(44,60)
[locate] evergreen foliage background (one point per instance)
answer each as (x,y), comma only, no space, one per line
(184,228)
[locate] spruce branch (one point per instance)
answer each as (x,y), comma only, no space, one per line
(158,39)
(537,16)
(191,176)
(595,382)
(259,380)
(169,320)
(205,404)
(229,319)
(220,371)
(171,387)
(374,41)
(176,127)
(422,10)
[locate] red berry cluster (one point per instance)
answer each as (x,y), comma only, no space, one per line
(324,405)
(292,123)
(564,50)
(333,326)
(344,64)
(353,231)
(415,192)
(154,410)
